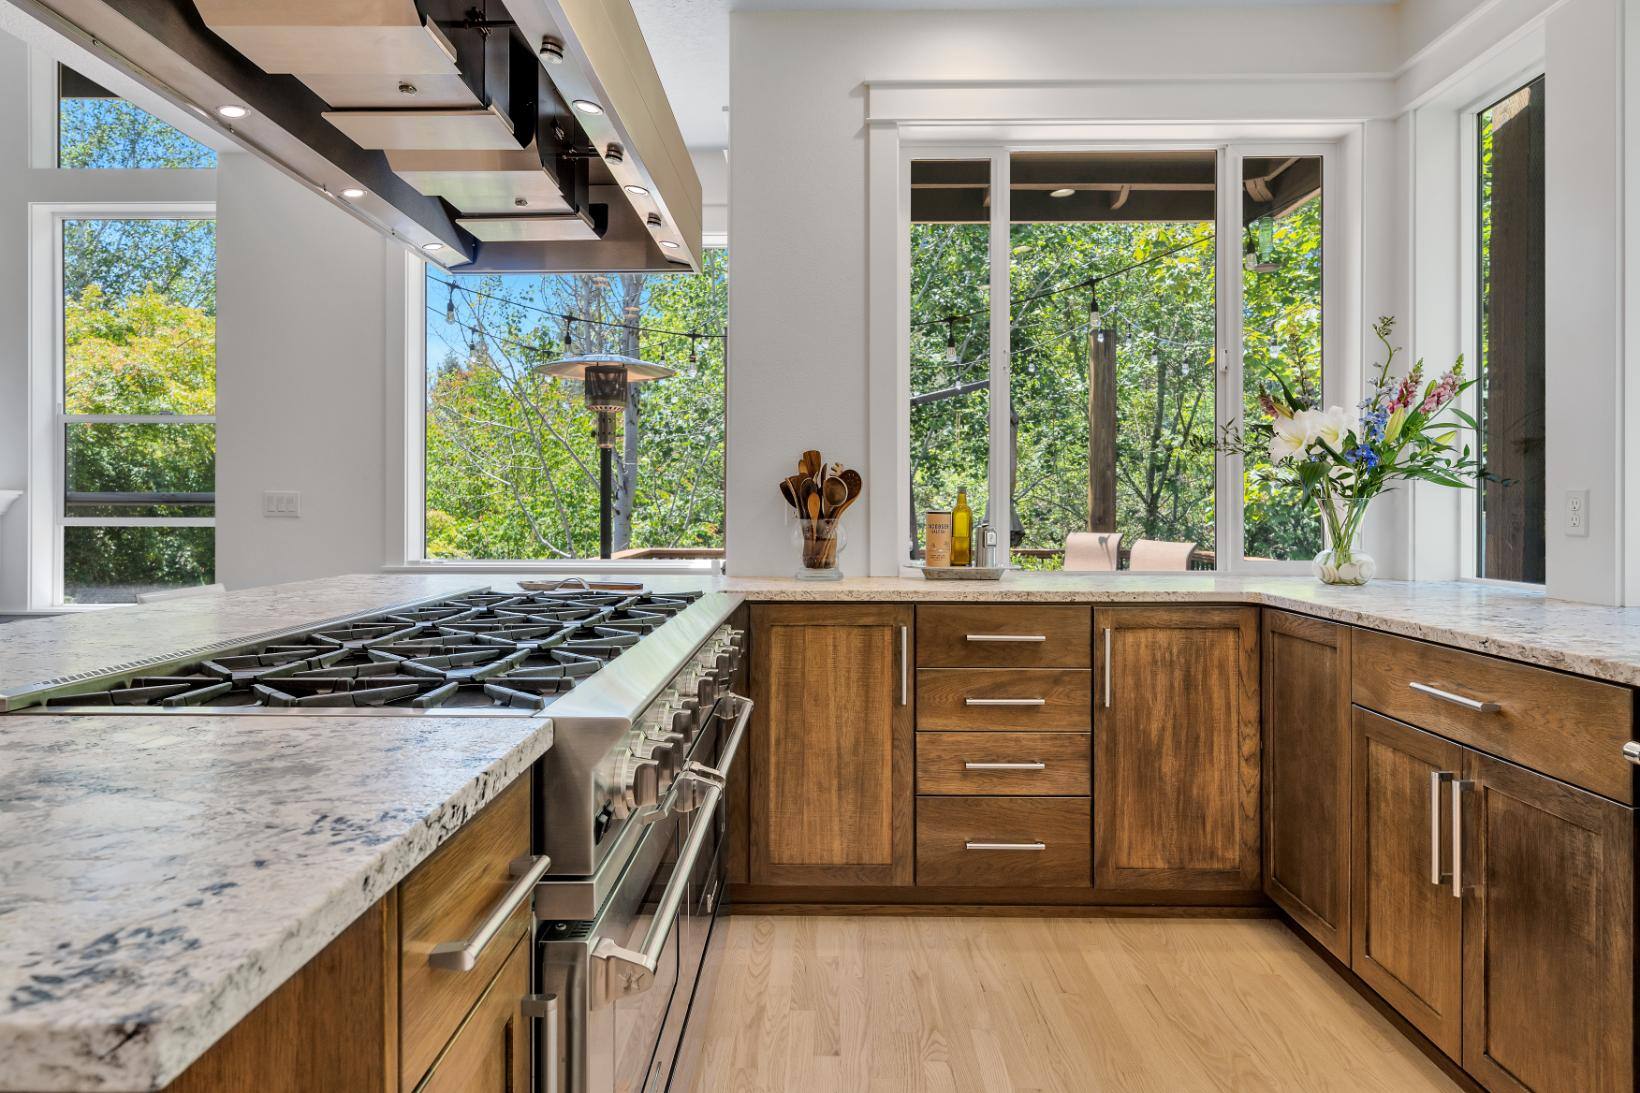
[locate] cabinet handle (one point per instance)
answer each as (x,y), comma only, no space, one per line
(1007,637)
(1437,875)
(1458,786)
(1004,702)
(905,667)
(1004,846)
(1107,667)
(1475,704)
(1033,765)
(1631,752)
(462,956)
(544,1008)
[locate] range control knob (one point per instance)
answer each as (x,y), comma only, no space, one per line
(667,748)
(640,784)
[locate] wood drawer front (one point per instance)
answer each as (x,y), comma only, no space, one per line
(988,635)
(1013,764)
(948,826)
(491,1050)
(446,899)
(1565,726)
(1005,699)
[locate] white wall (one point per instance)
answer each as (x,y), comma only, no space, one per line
(301,359)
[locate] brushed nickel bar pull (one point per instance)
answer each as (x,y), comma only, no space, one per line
(1004,846)
(1005,702)
(544,1008)
(1007,637)
(1107,667)
(1631,752)
(1466,702)
(1005,766)
(1458,785)
(1437,875)
(462,956)
(905,666)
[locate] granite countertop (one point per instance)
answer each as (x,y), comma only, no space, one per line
(161,875)
(1507,621)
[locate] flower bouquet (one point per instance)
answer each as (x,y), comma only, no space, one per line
(1407,430)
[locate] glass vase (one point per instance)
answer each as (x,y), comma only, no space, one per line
(1343,562)
(819,542)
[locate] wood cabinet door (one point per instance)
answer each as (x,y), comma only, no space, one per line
(1548,934)
(1406,923)
(832,754)
(1176,748)
(491,1052)
(1307,774)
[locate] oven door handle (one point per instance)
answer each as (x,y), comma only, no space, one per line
(622,972)
(686,791)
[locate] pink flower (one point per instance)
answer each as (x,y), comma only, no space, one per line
(1266,403)
(1408,389)
(1441,393)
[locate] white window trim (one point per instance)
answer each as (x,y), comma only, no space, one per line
(405,531)
(1341,369)
(46,413)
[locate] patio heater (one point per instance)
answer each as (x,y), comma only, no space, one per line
(607,379)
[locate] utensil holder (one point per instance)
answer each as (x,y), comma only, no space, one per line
(820,542)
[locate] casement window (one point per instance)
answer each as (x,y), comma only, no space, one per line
(98,129)
(1081,327)
(508,456)
(132,474)
(1509,335)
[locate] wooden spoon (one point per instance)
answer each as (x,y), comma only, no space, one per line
(811,462)
(786,492)
(835,494)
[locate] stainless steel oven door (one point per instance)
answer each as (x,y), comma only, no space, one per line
(623,980)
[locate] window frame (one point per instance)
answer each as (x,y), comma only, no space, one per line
(406,516)
(48,416)
(1341,369)
(1469,260)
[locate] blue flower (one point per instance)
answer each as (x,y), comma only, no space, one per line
(1372,424)
(1363,455)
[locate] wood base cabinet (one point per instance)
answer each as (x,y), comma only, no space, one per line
(1176,748)
(1307,774)
(832,759)
(1494,908)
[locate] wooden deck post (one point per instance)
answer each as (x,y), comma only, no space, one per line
(1102,429)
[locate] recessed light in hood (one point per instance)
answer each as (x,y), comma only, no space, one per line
(587,106)
(352,193)
(637,191)
(232,111)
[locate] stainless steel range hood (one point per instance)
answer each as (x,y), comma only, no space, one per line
(496,135)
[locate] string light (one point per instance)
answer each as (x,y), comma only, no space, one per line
(1094,316)
(606,323)
(450,305)
(693,357)
(569,335)
(951,339)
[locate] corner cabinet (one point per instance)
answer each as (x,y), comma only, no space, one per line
(1176,748)
(832,752)
(1307,775)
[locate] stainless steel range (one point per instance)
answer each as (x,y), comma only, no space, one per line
(629,799)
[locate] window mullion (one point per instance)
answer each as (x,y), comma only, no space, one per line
(1000,514)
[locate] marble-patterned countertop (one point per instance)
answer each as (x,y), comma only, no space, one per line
(161,875)
(1504,620)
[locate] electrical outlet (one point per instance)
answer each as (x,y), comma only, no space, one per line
(1577,513)
(281,503)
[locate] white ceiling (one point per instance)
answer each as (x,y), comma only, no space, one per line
(689,40)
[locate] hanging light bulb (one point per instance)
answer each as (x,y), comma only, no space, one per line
(951,339)
(569,334)
(1095,316)
(450,302)
(693,356)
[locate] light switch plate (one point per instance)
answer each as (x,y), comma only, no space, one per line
(1577,513)
(281,503)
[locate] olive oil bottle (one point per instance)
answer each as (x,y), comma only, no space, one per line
(962,529)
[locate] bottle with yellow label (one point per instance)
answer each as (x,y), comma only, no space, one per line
(962,529)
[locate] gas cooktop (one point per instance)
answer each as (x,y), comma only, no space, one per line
(485,652)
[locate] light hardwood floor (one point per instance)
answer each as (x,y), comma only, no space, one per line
(896,1004)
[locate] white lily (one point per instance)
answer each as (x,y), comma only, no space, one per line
(1291,435)
(1332,427)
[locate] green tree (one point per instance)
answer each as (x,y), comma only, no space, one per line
(512,467)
